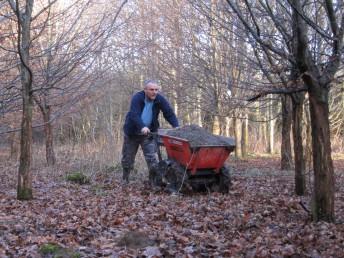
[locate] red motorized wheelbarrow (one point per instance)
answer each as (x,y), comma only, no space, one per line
(193,167)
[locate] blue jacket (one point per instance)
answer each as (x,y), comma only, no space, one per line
(133,122)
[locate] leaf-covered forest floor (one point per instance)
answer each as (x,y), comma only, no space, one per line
(260,217)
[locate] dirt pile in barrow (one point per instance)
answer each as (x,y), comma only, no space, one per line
(198,136)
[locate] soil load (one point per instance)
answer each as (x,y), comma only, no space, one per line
(198,136)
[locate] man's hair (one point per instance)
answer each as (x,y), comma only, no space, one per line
(148,81)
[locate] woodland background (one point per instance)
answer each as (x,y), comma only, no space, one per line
(68,70)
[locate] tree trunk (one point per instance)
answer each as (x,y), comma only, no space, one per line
(308,147)
(24,186)
(244,137)
(49,140)
(216,126)
(228,127)
(286,157)
(300,185)
(14,143)
(323,195)
(187,115)
(270,130)
(208,120)
(237,132)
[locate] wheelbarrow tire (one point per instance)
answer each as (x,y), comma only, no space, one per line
(158,172)
(224,180)
(175,178)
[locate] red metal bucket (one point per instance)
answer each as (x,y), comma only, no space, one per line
(202,157)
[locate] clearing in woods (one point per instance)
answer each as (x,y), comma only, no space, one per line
(260,216)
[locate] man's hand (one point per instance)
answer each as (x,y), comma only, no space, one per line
(145,130)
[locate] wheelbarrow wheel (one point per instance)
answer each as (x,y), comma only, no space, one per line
(157,172)
(175,177)
(224,180)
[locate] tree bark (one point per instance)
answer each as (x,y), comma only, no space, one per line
(216,126)
(286,156)
(237,132)
(48,130)
(49,139)
(270,130)
(208,121)
(308,145)
(244,137)
(323,195)
(24,186)
(14,143)
(300,180)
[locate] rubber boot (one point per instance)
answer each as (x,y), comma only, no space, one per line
(126,173)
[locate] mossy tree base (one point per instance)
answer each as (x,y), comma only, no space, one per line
(24,194)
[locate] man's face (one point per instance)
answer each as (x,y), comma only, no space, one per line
(151,90)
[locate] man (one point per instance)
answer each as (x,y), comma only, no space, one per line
(142,119)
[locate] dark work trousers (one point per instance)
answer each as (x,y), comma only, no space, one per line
(130,147)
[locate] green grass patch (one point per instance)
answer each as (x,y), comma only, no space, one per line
(55,251)
(78,178)
(49,248)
